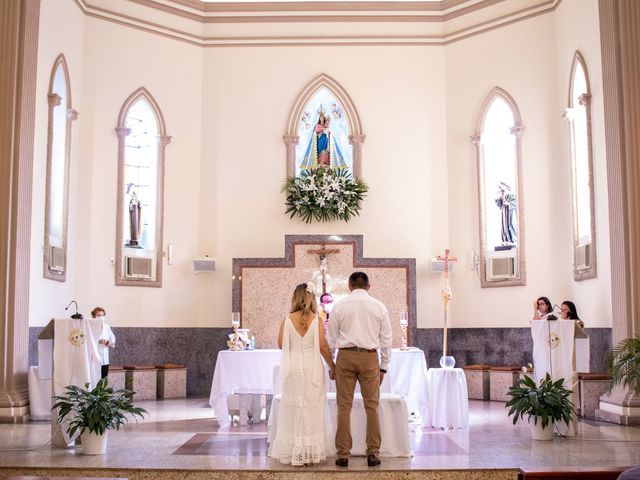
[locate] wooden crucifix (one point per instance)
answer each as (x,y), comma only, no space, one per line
(446,295)
(323,252)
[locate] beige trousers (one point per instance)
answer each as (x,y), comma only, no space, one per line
(364,368)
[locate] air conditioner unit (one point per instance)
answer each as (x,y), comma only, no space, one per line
(204,264)
(583,256)
(437,266)
(56,263)
(502,265)
(139,267)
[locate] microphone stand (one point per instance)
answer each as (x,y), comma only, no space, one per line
(77,316)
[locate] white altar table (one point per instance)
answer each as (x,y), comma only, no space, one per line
(448,400)
(243,372)
(392,410)
(407,377)
(251,372)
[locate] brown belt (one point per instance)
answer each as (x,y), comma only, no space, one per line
(358,349)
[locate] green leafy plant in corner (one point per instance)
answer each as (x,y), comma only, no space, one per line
(624,364)
(97,410)
(547,401)
(324,194)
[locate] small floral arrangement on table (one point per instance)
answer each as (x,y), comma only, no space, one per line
(324,194)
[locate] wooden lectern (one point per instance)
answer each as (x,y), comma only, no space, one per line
(559,349)
(68,348)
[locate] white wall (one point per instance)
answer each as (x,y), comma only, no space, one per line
(61,31)
(113,62)
(524,59)
(247,100)
(226,109)
(577,28)
(120,61)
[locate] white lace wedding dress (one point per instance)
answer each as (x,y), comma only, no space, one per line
(299,436)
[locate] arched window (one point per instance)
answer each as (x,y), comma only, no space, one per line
(578,114)
(141,152)
(57,184)
(323,109)
(324,134)
(497,140)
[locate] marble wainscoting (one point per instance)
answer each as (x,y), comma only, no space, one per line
(197,348)
(500,346)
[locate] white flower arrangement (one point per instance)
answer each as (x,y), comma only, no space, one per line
(324,194)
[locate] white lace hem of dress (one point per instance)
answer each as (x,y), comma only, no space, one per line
(299,455)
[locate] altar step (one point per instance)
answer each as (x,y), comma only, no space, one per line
(570,473)
(302,473)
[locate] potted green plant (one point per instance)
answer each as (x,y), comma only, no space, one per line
(547,403)
(624,364)
(92,413)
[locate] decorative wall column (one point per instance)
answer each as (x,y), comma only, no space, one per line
(290,142)
(620,43)
(18,54)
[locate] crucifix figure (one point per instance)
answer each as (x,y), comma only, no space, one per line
(323,252)
(446,295)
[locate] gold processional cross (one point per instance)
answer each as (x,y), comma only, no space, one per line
(446,295)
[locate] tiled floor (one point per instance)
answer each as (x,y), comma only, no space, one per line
(181,434)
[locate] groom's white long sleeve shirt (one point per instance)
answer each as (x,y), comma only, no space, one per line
(359,320)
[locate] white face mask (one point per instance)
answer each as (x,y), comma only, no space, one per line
(102,317)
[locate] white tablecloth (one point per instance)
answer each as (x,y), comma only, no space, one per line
(393,425)
(241,372)
(448,400)
(407,377)
(252,372)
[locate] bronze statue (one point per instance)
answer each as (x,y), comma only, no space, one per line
(135,215)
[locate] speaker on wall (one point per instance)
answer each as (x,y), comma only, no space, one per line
(204,264)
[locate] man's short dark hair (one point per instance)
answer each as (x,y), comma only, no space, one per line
(358,280)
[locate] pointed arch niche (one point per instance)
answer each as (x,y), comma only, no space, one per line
(142,140)
(56,216)
(500,191)
(578,115)
(343,111)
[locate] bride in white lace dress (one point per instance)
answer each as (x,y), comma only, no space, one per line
(300,437)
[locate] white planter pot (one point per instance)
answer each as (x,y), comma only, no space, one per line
(94,444)
(537,432)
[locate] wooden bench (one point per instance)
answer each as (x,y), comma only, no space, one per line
(591,386)
(143,380)
(570,473)
(501,379)
(172,381)
(478,386)
(116,377)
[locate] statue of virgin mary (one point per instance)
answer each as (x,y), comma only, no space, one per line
(322,150)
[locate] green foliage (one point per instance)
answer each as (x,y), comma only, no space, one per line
(324,194)
(98,410)
(624,364)
(548,401)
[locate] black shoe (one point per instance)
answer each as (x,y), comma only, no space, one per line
(344,462)
(373,461)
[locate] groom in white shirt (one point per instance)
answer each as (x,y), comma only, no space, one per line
(359,326)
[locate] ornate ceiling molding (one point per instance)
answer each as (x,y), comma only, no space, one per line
(331,23)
